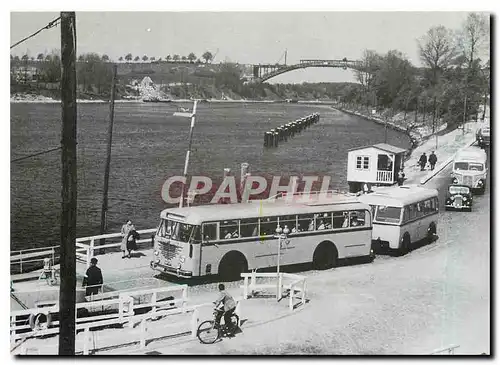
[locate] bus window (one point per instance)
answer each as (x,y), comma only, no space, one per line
(162,230)
(406,214)
(306,222)
(196,235)
(388,214)
(290,221)
(209,232)
(339,219)
(357,218)
(435,204)
(229,229)
(249,227)
(268,226)
(324,221)
(428,207)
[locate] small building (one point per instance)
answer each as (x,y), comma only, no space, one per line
(376,165)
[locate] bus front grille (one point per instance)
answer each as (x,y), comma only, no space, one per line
(168,250)
(467,180)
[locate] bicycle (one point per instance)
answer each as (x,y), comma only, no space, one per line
(208,332)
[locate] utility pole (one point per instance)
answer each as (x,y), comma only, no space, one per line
(104,210)
(67,292)
(465,112)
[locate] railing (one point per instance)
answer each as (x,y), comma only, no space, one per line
(296,286)
(384,176)
(86,246)
(32,255)
(124,316)
(450,350)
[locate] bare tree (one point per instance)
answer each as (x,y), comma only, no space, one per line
(474,36)
(437,49)
(366,72)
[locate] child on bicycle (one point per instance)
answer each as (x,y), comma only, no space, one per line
(225,305)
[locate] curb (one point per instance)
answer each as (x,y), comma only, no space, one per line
(441,167)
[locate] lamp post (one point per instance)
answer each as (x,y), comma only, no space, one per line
(281,234)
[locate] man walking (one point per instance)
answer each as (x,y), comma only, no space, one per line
(422,162)
(432,160)
(93,278)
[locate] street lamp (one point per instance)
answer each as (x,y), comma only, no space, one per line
(281,234)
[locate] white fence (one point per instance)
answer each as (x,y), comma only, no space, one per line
(123,316)
(450,350)
(32,255)
(295,286)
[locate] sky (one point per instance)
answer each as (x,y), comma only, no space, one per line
(244,37)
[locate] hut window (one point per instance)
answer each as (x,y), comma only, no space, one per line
(362,162)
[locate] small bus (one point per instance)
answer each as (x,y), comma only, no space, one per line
(229,239)
(402,215)
(469,168)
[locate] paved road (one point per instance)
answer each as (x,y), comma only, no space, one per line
(435,296)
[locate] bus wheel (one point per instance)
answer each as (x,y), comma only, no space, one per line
(325,256)
(431,232)
(405,245)
(232,265)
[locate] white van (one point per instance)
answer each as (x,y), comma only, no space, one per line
(402,215)
(469,168)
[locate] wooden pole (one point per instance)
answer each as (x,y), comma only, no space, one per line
(67,294)
(188,152)
(104,209)
(465,112)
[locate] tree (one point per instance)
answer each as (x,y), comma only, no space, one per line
(120,59)
(184,58)
(474,36)
(25,57)
(191,57)
(152,58)
(144,58)
(51,68)
(176,57)
(81,58)
(47,58)
(137,58)
(437,50)
(207,56)
(370,63)
(105,58)
(40,57)
(128,57)
(168,58)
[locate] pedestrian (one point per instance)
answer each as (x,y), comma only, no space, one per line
(126,228)
(422,161)
(401,177)
(432,160)
(132,237)
(92,279)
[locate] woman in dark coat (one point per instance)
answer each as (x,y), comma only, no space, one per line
(131,241)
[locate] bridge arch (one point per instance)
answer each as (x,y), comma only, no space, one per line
(263,73)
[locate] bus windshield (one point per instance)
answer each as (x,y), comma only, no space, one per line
(475,167)
(388,214)
(179,231)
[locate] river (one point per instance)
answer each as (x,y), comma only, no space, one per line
(149,145)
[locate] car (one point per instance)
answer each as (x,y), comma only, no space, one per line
(483,136)
(459,197)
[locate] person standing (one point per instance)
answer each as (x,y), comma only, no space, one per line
(401,177)
(126,228)
(92,279)
(432,160)
(131,241)
(422,162)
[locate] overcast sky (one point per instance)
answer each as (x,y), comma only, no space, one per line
(242,37)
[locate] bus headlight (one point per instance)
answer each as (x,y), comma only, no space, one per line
(455,180)
(480,183)
(182,259)
(156,253)
(465,199)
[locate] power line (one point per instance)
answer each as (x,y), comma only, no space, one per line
(35,154)
(52,24)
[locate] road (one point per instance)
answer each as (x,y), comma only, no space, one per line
(435,296)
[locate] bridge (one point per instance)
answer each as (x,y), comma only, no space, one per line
(262,73)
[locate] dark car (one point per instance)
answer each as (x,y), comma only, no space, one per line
(483,136)
(459,197)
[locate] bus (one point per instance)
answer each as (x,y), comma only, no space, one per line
(402,215)
(469,168)
(229,239)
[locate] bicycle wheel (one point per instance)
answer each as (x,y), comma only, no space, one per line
(207,333)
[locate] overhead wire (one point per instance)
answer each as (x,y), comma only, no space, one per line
(35,154)
(52,24)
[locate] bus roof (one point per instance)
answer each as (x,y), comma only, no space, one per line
(471,154)
(398,196)
(216,212)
